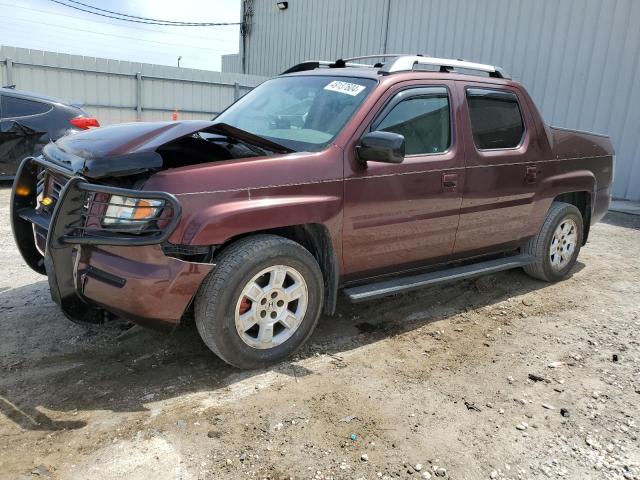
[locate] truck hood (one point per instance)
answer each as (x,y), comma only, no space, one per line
(132,148)
(119,150)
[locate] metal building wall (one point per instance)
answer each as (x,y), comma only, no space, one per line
(579,59)
(231,63)
(111,90)
(309,29)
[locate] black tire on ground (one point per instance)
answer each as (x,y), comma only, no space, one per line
(539,246)
(219,296)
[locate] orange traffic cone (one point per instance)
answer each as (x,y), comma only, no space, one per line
(174,115)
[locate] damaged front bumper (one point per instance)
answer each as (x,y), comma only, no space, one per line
(93,269)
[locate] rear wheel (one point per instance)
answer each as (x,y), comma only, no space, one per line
(261,302)
(557,245)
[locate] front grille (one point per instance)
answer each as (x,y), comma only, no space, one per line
(49,184)
(56,184)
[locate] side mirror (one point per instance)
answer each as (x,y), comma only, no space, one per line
(387,147)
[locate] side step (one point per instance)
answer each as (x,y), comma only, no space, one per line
(413,282)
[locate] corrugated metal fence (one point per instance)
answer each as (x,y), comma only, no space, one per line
(116,91)
(579,59)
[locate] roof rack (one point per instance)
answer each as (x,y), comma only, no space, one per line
(407,63)
(313,64)
(401,63)
(340,63)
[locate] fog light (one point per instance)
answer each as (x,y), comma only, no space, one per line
(46,201)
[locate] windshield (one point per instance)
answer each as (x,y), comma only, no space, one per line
(301,113)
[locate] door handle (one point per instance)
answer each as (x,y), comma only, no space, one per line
(531,175)
(449,182)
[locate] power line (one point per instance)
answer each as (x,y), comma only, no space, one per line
(112,35)
(137,29)
(173,22)
(134,19)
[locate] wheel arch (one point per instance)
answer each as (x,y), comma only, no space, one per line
(582,200)
(314,237)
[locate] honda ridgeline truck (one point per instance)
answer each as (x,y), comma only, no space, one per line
(334,176)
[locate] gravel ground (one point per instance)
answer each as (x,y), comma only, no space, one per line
(464,381)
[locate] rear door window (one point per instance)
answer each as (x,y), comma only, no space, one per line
(21,107)
(496,119)
(424,121)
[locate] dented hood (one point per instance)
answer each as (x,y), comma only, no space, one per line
(119,150)
(131,148)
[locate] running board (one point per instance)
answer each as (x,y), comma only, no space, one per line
(413,282)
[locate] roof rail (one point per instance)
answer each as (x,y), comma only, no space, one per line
(407,63)
(340,63)
(400,63)
(312,65)
(379,55)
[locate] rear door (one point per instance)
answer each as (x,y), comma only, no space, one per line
(501,174)
(400,216)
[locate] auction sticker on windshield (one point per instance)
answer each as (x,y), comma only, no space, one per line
(352,89)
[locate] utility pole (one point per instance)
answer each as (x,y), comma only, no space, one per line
(245,30)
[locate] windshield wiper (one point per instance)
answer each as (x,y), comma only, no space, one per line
(259,151)
(248,137)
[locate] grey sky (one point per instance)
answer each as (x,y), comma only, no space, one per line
(44,25)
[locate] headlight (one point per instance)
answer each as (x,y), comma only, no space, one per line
(131,211)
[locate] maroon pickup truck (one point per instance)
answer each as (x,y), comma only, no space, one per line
(334,176)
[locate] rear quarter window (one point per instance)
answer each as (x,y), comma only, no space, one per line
(21,107)
(496,119)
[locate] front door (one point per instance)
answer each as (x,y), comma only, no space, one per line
(401,216)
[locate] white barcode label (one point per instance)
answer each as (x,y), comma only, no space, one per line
(352,89)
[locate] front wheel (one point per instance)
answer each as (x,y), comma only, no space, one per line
(557,245)
(261,302)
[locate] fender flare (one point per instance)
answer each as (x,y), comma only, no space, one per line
(561,184)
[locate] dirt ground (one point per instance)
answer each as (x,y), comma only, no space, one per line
(450,382)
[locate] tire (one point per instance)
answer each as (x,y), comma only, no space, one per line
(253,267)
(554,267)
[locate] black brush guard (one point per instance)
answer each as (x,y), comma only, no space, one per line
(69,227)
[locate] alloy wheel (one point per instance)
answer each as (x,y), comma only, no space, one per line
(563,244)
(271,307)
